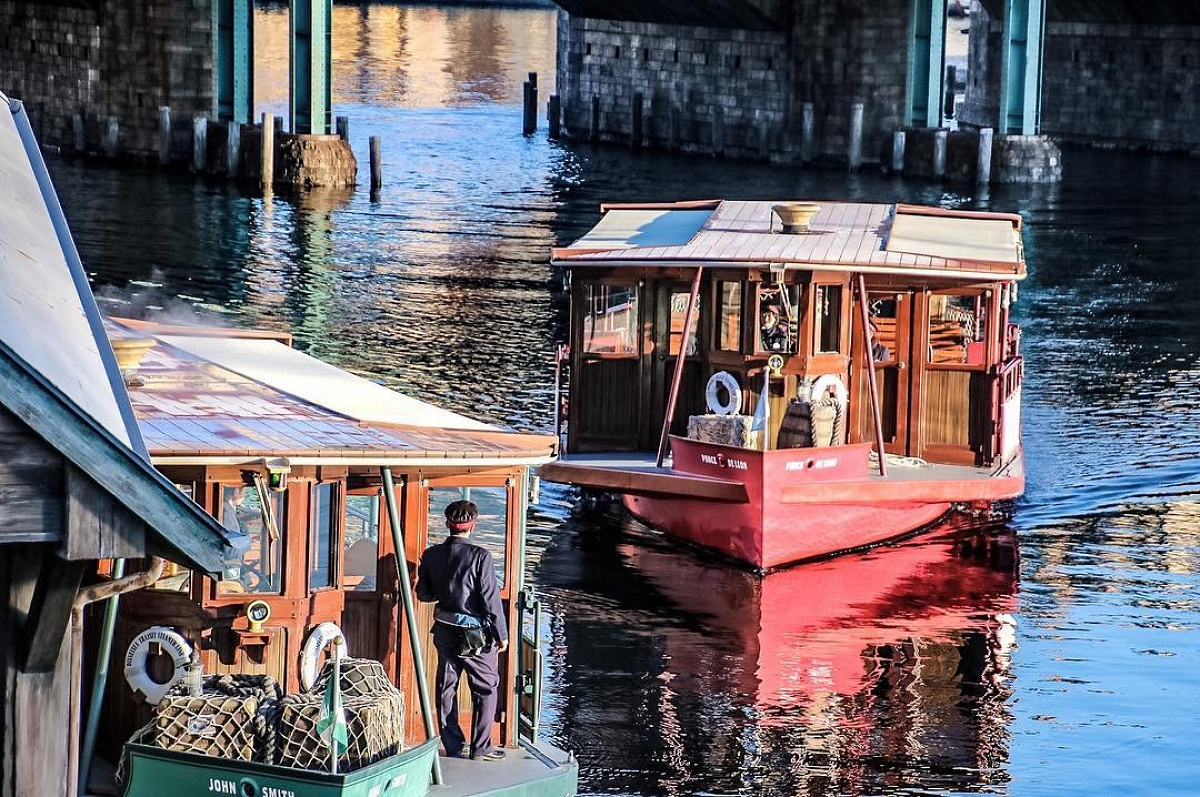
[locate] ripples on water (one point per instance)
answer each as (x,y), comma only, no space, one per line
(927,667)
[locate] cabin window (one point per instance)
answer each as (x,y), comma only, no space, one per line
(679,303)
(827,319)
(491,530)
(883,328)
(957,328)
(778,315)
(253,562)
(322,570)
(610,321)
(362,542)
(729,316)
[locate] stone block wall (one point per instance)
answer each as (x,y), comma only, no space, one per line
(124,58)
(1103,82)
(1123,84)
(752,83)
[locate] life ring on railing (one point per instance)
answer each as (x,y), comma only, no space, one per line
(733,391)
(136,672)
(830,382)
(319,639)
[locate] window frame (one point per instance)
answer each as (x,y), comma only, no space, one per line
(337,512)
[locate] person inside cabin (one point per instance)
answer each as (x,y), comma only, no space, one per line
(776,334)
(879,351)
(469,630)
(233,518)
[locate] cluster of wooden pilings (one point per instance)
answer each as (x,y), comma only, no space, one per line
(927,159)
(229,149)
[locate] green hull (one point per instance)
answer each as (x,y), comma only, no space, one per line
(155,773)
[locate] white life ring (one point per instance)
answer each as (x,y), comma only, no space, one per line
(319,639)
(723,379)
(136,673)
(830,381)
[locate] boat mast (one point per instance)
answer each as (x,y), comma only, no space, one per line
(677,377)
(875,413)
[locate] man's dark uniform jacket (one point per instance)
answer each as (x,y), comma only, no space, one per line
(460,576)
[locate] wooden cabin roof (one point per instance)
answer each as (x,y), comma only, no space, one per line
(240,398)
(59,378)
(843,236)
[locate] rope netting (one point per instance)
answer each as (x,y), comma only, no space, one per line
(248,718)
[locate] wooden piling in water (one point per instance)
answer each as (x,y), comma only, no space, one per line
(376,166)
(77,129)
(899,143)
(635,122)
(531,105)
(112,134)
(939,152)
(164,135)
(554,116)
(951,81)
(343,127)
(854,155)
(807,131)
(200,144)
(983,168)
(267,152)
(233,149)
(594,133)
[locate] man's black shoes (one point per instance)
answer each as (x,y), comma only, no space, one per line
(495,755)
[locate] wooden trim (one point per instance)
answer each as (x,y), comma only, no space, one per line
(96,525)
(924,210)
(50,612)
(200,331)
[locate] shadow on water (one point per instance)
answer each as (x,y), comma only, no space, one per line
(917,668)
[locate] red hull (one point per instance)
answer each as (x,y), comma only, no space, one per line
(808,503)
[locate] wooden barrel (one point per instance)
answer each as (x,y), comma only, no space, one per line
(796,429)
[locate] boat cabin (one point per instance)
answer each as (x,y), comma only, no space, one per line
(294,457)
(783,283)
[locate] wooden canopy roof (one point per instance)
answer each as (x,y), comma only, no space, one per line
(239,396)
(925,242)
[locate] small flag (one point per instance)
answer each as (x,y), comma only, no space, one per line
(762,411)
(332,725)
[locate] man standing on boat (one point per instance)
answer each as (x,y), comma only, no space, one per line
(469,630)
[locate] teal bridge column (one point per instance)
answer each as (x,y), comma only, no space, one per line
(234,45)
(926,52)
(1021,67)
(312,67)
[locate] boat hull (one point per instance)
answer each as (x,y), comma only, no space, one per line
(806,504)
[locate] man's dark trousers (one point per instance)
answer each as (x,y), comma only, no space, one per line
(483,679)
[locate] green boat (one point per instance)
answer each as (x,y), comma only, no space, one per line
(531,770)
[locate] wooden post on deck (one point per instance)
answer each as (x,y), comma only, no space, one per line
(680,361)
(876,415)
(410,614)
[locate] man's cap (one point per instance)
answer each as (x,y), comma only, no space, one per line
(461,515)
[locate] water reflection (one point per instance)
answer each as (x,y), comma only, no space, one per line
(887,668)
(668,674)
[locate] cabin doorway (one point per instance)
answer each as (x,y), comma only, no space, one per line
(670,343)
(891,316)
(496,531)
(371,613)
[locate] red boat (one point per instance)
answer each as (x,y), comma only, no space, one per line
(849,373)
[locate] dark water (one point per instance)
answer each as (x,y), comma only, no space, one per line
(1057,653)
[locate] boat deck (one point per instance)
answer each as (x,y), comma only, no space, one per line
(636,474)
(542,770)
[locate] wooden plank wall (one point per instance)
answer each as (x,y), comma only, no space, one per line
(31,485)
(35,750)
